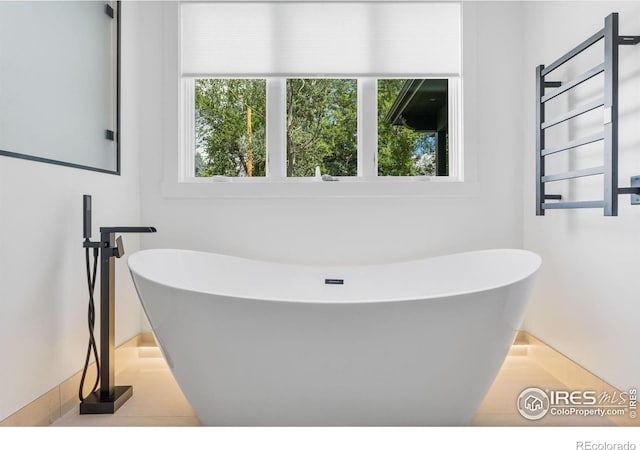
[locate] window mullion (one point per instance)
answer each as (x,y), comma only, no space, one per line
(186,164)
(367,127)
(276,128)
(456,169)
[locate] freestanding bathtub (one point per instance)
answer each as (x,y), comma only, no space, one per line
(260,343)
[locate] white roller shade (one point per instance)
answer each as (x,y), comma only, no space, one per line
(309,38)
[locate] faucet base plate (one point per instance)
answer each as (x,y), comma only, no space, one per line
(95,404)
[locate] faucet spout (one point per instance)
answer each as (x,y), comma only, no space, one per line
(128,229)
(113,246)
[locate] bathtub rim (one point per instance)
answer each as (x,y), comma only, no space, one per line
(134,273)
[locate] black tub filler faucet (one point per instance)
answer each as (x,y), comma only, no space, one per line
(108,398)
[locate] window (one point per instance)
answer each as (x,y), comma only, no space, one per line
(230,127)
(413,127)
(322,127)
(268,115)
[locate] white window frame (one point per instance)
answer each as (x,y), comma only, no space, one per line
(462,182)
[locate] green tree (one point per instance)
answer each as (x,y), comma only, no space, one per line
(222,138)
(401,151)
(321,129)
(321,126)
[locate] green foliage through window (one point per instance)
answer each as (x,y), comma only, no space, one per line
(408,149)
(322,127)
(230,127)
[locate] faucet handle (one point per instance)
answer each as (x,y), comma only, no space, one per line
(118,252)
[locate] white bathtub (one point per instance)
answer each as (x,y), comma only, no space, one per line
(260,343)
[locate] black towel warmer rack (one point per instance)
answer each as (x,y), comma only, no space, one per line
(609,134)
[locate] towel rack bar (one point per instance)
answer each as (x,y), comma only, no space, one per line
(628,40)
(574,174)
(572,205)
(574,52)
(573,113)
(634,189)
(573,83)
(629,190)
(573,144)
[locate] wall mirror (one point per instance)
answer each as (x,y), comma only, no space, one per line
(59,83)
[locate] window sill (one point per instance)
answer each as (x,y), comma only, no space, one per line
(390,187)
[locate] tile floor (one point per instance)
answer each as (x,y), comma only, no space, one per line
(158,401)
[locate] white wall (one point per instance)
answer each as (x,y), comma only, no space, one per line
(350,230)
(587,300)
(43,288)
